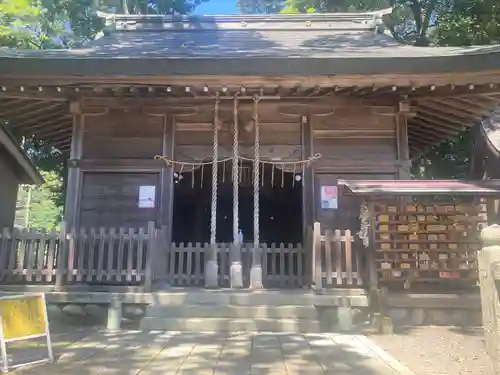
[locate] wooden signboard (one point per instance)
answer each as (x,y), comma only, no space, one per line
(23,317)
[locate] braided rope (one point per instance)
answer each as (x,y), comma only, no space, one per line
(256,179)
(235,170)
(215,170)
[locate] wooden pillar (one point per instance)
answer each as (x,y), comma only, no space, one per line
(308,190)
(74,176)
(489,279)
(402,146)
(167,178)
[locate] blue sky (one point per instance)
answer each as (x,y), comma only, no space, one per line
(217,7)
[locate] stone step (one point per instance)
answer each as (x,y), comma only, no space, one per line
(269,298)
(220,311)
(231,325)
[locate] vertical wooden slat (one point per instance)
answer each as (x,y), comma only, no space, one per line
(338,257)
(182,256)
(316,256)
(4,253)
(265,271)
(288,261)
(140,253)
(300,265)
(189,258)
(110,254)
(29,256)
(273,264)
(151,257)
(119,259)
(221,250)
(130,254)
(100,272)
(359,268)
(52,246)
(281,259)
(22,252)
(329,238)
(14,251)
(92,253)
(40,256)
(61,255)
(81,249)
(348,257)
(199,279)
(171,268)
(71,255)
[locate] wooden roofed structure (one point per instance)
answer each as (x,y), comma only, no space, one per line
(316,97)
(331,58)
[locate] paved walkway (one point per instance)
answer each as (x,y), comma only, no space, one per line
(155,353)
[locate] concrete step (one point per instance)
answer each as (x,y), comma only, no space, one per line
(231,325)
(236,312)
(260,298)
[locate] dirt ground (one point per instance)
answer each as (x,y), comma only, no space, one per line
(439,350)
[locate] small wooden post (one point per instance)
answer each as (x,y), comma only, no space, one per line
(151,256)
(61,255)
(316,256)
(489,278)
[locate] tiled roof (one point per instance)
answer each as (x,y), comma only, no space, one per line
(329,43)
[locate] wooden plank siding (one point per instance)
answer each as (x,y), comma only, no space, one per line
(122,134)
(111,199)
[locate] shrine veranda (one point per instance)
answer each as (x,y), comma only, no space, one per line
(273,153)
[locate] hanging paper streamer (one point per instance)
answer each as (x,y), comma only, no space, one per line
(300,165)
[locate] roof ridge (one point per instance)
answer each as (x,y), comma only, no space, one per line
(329,21)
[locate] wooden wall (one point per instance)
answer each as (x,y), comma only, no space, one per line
(113,150)
(112,156)
(110,199)
(9,183)
(122,134)
(358,144)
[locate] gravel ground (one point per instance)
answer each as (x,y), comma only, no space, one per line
(439,350)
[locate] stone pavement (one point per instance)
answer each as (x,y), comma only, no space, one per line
(155,353)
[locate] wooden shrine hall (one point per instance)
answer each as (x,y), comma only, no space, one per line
(207,151)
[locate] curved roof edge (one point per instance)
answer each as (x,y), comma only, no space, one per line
(221,18)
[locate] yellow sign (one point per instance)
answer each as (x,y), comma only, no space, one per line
(23,316)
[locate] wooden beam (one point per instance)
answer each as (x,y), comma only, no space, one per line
(22,106)
(39,122)
(45,108)
(445,115)
(417,80)
(462,107)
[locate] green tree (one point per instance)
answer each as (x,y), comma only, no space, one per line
(15,15)
(37,206)
(469,22)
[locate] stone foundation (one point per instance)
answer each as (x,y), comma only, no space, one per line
(435,317)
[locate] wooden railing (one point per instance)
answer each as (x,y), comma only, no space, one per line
(132,256)
(112,256)
(336,263)
(282,265)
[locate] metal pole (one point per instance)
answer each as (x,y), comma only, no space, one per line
(236,276)
(256,272)
(211,267)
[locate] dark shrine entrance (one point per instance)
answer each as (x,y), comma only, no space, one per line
(280,213)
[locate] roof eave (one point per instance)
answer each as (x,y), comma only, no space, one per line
(30,170)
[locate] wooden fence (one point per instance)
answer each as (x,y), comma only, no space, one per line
(336,262)
(132,257)
(283,266)
(105,256)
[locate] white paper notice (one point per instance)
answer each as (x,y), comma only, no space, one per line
(147,196)
(329,197)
